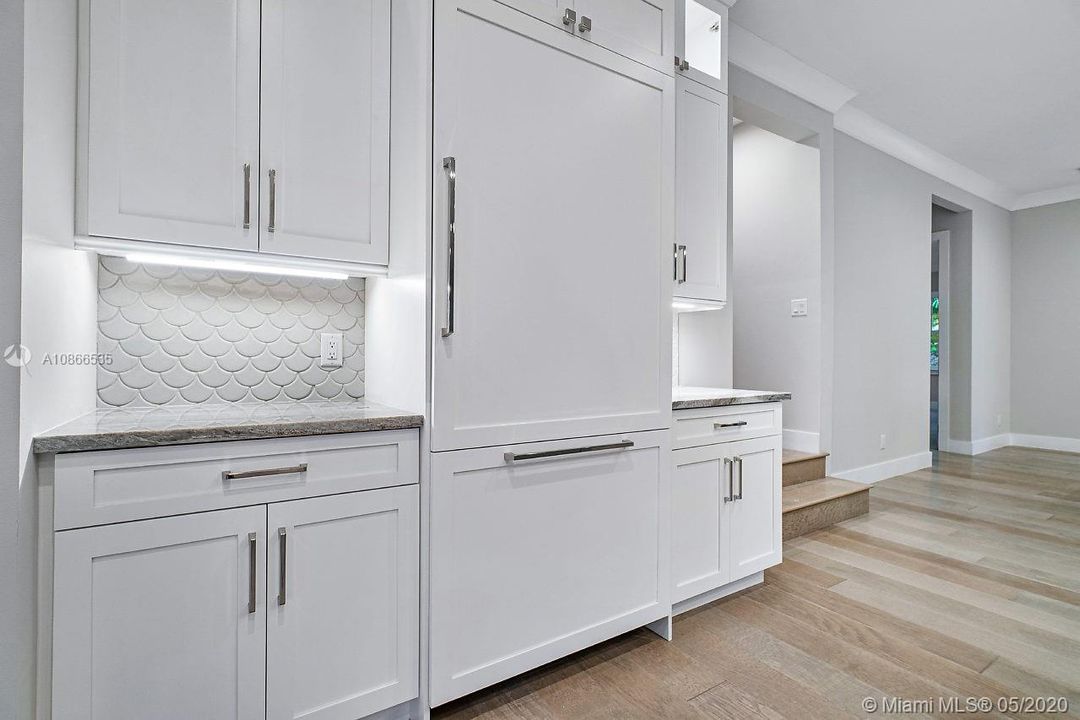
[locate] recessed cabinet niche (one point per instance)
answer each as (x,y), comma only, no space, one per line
(240,125)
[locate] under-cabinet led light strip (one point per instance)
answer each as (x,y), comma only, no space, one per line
(145,258)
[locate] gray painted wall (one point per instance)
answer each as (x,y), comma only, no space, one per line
(16,606)
(1046,331)
(777,249)
(883,226)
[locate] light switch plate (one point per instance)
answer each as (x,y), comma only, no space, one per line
(798,307)
(330,350)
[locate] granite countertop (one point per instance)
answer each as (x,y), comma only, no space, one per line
(119,428)
(685,398)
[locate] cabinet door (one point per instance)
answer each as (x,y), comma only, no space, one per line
(172,119)
(701,181)
(701,32)
(755,514)
(643,30)
(559,323)
(533,559)
(161,619)
(700,493)
(343,610)
(326,129)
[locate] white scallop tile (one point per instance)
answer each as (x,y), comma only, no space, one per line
(189,336)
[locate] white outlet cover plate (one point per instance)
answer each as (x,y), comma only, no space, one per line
(798,307)
(330,350)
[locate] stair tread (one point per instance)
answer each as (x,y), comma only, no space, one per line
(794,456)
(813,492)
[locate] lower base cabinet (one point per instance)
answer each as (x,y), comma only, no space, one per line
(726,519)
(536,557)
(306,608)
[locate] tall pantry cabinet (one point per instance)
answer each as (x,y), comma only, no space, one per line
(553,215)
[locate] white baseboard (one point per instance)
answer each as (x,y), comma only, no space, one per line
(978,447)
(869,474)
(802,441)
(1046,442)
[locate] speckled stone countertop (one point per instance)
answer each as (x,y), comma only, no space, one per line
(685,398)
(119,428)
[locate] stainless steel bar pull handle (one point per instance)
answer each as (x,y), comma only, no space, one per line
(729,486)
(252,567)
(722,426)
(273,200)
(283,540)
(511,458)
(291,470)
(680,264)
(247,196)
(739,464)
(450,165)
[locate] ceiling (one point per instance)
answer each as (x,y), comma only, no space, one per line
(991,84)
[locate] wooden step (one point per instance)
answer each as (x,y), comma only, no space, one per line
(814,504)
(799,467)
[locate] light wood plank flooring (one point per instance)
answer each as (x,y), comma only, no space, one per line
(963,581)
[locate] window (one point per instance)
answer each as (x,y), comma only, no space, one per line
(935,333)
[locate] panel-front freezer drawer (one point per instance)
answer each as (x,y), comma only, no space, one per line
(536,557)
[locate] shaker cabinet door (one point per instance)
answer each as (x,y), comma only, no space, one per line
(701,182)
(161,619)
(343,604)
(171,126)
(325,181)
(756,513)
(551,311)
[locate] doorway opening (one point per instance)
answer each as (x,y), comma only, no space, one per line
(939,338)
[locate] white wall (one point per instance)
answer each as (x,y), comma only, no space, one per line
(1046,333)
(883,225)
(16,608)
(777,251)
(704,356)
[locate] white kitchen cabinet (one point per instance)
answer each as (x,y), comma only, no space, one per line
(642,30)
(343,613)
(196,615)
(551,312)
(534,557)
(726,509)
(701,183)
(701,34)
(252,125)
(171,121)
(756,511)
(326,129)
(161,619)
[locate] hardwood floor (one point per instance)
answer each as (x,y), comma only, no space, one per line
(962,581)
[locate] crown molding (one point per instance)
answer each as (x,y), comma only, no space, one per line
(786,71)
(862,126)
(1047,197)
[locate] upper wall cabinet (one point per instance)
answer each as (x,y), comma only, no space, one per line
(642,30)
(701,42)
(701,187)
(238,124)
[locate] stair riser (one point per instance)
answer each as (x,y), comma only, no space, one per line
(807,519)
(803,471)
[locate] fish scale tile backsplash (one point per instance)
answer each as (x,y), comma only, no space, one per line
(182,335)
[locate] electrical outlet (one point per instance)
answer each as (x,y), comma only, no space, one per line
(330,350)
(882,441)
(798,307)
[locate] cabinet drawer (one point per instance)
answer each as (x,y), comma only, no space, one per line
(95,488)
(705,426)
(536,556)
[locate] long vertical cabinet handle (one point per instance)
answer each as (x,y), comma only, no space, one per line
(729,485)
(273,200)
(450,165)
(252,569)
(680,267)
(247,196)
(739,464)
(283,539)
